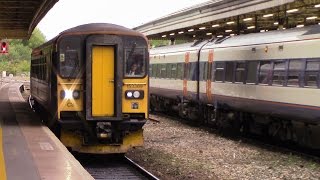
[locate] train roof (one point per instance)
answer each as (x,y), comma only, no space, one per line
(101,28)
(271,37)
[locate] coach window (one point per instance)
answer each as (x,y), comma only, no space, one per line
(135,62)
(150,70)
(158,70)
(163,71)
(279,73)
(180,70)
(229,71)
(192,71)
(294,72)
(219,71)
(311,77)
(252,67)
(174,71)
(169,67)
(265,72)
(240,72)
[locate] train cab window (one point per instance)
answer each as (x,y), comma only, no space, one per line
(174,71)
(311,78)
(180,70)
(294,72)
(265,72)
(135,59)
(240,72)
(69,56)
(279,73)
(219,71)
(169,67)
(252,67)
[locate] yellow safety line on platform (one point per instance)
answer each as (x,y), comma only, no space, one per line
(3,175)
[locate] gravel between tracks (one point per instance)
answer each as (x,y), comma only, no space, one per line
(174,150)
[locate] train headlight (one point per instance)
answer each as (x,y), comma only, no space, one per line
(70,94)
(136,94)
(129,94)
(76,94)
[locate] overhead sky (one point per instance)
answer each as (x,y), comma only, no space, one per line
(129,13)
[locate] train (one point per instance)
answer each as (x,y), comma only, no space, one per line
(262,83)
(90,85)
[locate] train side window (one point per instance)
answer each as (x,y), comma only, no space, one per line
(219,71)
(205,71)
(240,72)
(294,72)
(201,78)
(279,73)
(169,67)
(150,70)
(265,72)
(192,71)
(180,70)
(158,73)
(252,67)
(163,71)
(229,71)
(174,71)
(311,78)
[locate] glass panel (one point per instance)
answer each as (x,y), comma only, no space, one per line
(158,67)
(295,67)
(174,71)
(252,71)
(135,62)
(201,70)
(169,67)
(180,70)
(312,73)
(229,71)
(240,71)
(219,71)
(163,71)
(192,71)
(265,72)
(279,73)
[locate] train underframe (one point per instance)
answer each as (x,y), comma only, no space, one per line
(233,121)
(97,137)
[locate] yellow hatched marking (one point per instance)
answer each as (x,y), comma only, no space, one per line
(103,81)
(3,175)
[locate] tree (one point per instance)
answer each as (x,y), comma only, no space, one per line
(19,56)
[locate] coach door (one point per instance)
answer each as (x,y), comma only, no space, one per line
(103,88)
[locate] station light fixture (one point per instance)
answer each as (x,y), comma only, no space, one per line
(276,23)
(181,32)
(247,19)
(164,36)
(230,22)
(267,15)
(317,6)
(292,10)
(312,17)
(190,30)
(201,28)
(228,30)
(220,36)
(194,36)
(209,34)
(300,26)
(172,34)
(262,30)
(232,34)
(251,27)
(215,25)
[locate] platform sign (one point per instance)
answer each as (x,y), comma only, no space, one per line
(4,47)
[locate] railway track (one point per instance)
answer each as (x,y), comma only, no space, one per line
(113,167)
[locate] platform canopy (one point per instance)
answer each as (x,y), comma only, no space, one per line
(18,18)
(233,17)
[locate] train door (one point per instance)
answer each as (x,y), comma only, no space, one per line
(103,89)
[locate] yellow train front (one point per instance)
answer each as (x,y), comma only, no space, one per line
(90,84)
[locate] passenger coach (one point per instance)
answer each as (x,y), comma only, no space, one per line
(91,86)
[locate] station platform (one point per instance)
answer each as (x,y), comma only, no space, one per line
(28,149)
